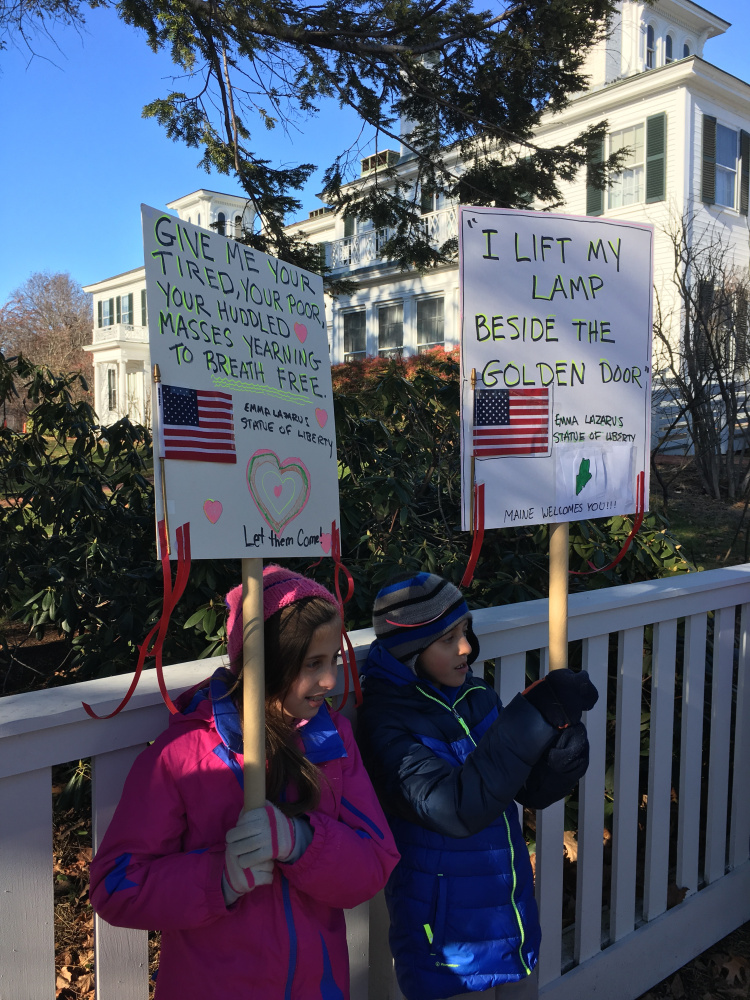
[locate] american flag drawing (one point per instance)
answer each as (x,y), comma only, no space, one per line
(197,425)
(511,422)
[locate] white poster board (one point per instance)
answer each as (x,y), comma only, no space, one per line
(243,414)
(555,365)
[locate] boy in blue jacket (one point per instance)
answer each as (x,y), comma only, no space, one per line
(448,761)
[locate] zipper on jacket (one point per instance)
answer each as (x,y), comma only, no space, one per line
(527,970)
(451,709)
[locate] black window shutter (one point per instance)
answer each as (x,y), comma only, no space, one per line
(143,307)
(744,171)
(99,313)
(656,157)
(594,195)
(118,305)
(708,180)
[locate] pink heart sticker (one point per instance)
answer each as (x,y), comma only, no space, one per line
(322,417)
(301,330)
(213,510)
(325,541)
(277,491)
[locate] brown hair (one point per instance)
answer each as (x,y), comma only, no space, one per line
(287,636)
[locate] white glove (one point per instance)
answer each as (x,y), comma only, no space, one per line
(236,880)
(263,834)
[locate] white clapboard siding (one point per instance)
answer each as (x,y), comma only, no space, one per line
(610,952)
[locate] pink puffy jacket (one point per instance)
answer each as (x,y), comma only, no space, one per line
(161,860)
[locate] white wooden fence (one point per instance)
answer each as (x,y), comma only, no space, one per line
(623,939)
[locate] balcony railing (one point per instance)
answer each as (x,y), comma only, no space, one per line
(121,331)
(367,248)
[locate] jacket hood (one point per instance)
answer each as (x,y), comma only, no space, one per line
(383,665)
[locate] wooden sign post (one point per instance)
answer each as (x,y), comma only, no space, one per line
(558,595)
(253,684)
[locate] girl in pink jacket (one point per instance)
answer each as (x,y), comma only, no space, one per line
(250,904)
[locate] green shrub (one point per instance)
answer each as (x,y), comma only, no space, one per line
(77,548)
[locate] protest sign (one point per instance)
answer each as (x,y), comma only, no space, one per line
(555,365)
(244,424)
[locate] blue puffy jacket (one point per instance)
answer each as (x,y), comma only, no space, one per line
(447,766)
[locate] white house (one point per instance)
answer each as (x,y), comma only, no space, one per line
(685,121)
(119,347)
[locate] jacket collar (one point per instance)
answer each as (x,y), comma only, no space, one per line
(383,665)
(320,737)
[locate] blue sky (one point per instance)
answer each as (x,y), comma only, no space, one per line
(77,159)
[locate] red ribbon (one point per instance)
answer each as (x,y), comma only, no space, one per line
(171,596)
(478,536)
(640,510)
(347,650)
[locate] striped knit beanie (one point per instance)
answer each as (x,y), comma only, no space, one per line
(281,587)
(411,614)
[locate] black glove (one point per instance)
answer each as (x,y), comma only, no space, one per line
(558,770)
(562,696)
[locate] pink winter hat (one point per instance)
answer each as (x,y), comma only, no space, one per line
(280,587)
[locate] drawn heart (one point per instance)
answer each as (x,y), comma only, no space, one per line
(301,330)
(213,510)
(322,417)
(280,488)
(325,541)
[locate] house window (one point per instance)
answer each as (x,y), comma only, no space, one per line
(355,335)
(111,388)
(125,309)
(429,201)
(722,164)
(144,312)
(650,47)
(348,226)
(668,48)
(628,186)
(430,323)
(726,166)
(221,223)
(106,312)
(391,330)
(685,50)
(237,226)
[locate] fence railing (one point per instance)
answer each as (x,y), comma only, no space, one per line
(367,247)
(615,936)
(121,331)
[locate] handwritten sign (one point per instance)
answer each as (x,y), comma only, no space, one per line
(244,423)
(556,364)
